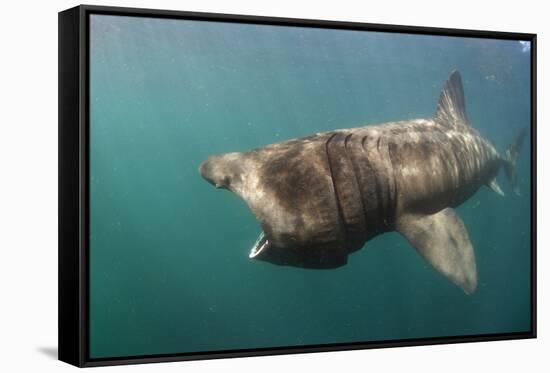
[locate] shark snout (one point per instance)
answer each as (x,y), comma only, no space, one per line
(205,170)
(210,171)
(221,170)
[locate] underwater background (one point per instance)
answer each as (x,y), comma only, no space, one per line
(169,266)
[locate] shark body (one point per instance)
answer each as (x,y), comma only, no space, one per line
(321,197)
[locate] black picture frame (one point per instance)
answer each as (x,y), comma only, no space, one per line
(74,178)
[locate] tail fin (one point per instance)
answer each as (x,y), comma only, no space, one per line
(510,159)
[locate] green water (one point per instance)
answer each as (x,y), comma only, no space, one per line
(169,266)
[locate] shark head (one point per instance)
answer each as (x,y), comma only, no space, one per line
(298,221)
(223,171)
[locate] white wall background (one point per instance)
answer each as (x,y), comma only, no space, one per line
(28,184)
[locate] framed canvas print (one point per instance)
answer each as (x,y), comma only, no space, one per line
(237,185)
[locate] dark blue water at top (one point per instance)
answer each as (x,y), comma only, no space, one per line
(169,259)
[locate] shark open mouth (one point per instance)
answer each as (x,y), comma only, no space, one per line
(261,244)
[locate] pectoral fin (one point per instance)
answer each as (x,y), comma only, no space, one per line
(443,241)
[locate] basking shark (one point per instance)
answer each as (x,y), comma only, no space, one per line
(321,197)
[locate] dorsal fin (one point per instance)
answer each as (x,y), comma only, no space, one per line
(451,108)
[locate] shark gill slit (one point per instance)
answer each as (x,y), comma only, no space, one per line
(377,188)
(389,192)
(336,198)
(391,149)
(365,138)
(352,160)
